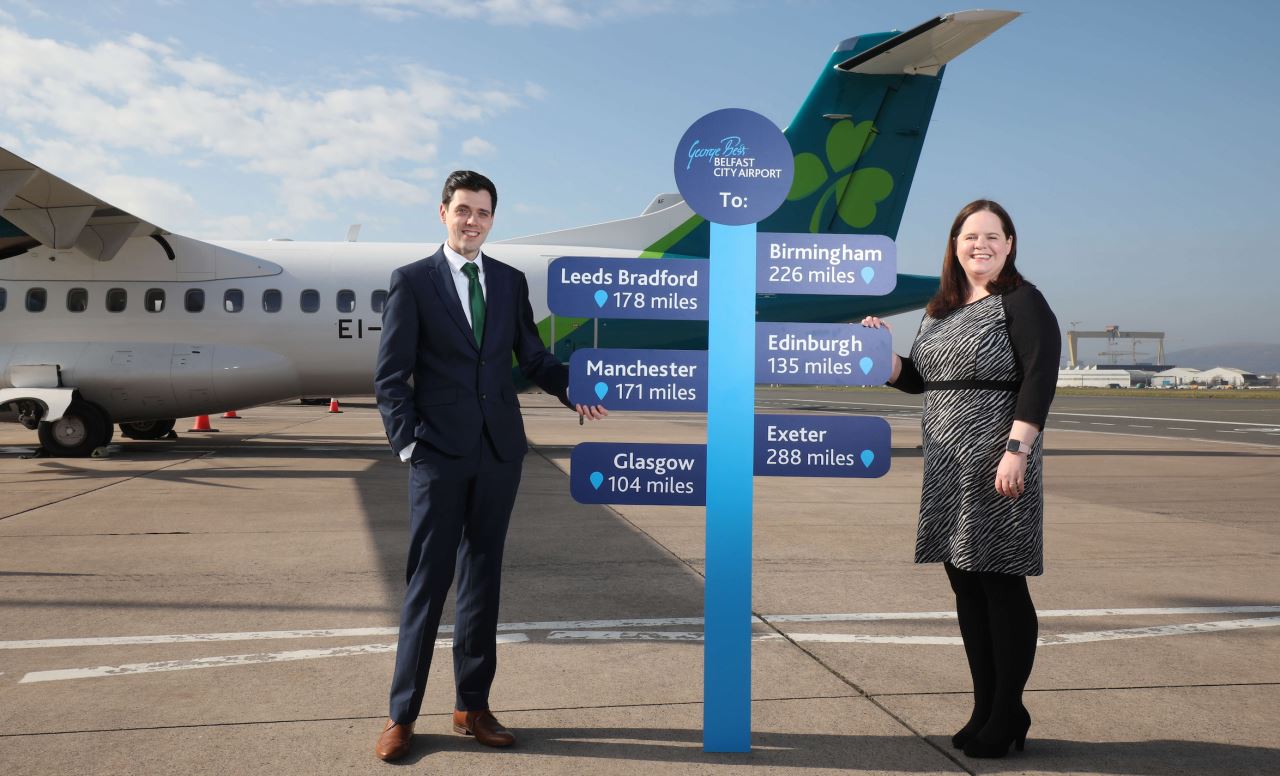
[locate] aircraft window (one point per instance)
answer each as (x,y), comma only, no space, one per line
(77,300)
(4,298)
(272,301)
(310,300)
(194,300)
(117,300)
(155,300)
(233,300)
(346,301)
(378,301)
(37,298)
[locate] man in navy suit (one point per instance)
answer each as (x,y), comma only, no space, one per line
(448,401)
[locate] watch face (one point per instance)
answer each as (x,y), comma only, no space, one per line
(1013,446)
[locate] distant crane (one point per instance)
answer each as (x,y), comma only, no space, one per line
(1112,334)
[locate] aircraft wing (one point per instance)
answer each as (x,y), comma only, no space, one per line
(39,208)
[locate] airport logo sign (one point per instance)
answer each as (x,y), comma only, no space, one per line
(591,287)
(821,446)
(656,380)
(822,354)
(636,473)
(828,264)
(734,167)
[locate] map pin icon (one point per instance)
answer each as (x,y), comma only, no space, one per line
(867,274)
(601,390)
(602,296)
(597,478)
(865,365)
(867,458)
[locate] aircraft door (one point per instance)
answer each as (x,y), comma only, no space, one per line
(191,371)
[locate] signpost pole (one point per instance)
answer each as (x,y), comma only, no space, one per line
(726,720)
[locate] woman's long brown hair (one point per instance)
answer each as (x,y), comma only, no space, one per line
(954,289)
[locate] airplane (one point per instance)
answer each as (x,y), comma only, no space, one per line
(108,319)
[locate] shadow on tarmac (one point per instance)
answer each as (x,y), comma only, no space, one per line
(881,754)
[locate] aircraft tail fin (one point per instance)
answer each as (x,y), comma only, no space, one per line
(858,135)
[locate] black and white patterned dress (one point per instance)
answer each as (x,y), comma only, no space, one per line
(980,368)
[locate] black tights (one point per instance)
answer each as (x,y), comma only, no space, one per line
(999,627)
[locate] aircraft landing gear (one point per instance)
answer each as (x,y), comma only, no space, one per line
(147,429)
(82,429)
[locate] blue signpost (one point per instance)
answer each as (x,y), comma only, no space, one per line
(733,168)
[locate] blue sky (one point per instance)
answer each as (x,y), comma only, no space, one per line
(1132,141)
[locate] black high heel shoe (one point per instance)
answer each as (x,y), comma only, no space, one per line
(965,734)
(998,746)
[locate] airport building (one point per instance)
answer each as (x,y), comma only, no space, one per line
(1094,377)
(1180,375)
(1236,378)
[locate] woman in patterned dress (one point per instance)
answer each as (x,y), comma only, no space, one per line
(986,359)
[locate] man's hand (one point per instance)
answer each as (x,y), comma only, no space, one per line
(596,412)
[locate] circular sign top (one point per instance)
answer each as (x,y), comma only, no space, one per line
(734,167)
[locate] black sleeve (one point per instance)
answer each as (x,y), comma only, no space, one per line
(1037,345)
(909,379)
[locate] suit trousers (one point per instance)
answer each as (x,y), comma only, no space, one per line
(459,510)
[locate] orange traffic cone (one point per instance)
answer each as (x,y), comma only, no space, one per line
(333,406)
(202,424)
(231,415)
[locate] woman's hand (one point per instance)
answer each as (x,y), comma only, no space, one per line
(873,322)
(1010,474)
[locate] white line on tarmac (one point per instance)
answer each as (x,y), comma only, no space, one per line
(1161,630)
(1144,417)
(233,660)
(563,625)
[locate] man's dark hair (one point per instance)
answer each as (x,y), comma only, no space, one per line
(471,181)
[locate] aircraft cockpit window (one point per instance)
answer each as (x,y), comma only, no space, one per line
(233,300)
(4,298)
(272,301)
(77,300)
(37,298)
(378,301)
(155,300)
(194,300)
(117,300)
(346,301)
(310,300)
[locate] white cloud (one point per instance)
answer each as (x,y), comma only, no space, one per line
(555,13)
(478,146)
(81,110)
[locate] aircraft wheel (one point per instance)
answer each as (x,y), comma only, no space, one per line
(82,429)
(147,429)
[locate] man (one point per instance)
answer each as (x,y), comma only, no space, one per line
(448,401)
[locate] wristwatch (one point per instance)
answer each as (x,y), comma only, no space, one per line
(1016,446)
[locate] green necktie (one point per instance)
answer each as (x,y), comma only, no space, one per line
(476,297)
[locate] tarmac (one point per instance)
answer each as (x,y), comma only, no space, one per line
(227,603)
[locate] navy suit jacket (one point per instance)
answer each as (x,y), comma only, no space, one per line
(459,390)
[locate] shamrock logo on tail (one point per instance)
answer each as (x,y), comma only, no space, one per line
(856,191)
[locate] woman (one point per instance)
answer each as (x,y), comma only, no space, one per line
(986,359)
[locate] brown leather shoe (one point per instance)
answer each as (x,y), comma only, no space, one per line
(394,741)
(482,724)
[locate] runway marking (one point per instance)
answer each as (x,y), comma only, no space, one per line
(233,660)
(1161,630)
(1101,424)
(1180,428)
(584,625)
(596,634)
(1175,420)
(1139,425)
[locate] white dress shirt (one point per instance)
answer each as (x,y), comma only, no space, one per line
(463,285)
